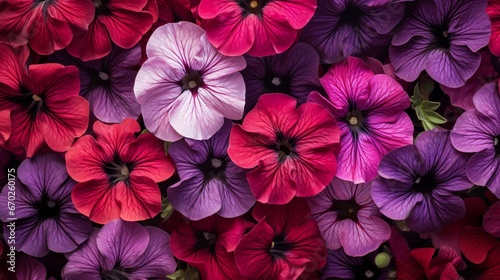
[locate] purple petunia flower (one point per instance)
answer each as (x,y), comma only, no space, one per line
(210,182)
(186,87)
(418,183)
(294,72)
(442,37)
(46,217)
(122,250)
(108,83)
(347,217)
(342,28)
(478,131)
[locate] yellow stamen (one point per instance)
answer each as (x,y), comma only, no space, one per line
(36,97)
(192,84)
(103,76)
(272,244)
(353,121)
(254,4)
(124,171)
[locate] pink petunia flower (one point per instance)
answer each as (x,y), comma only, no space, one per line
(370,113)
(117,173)
(186,88)
(256,27)
(293,149)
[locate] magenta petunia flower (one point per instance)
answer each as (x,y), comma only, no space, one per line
(122,250)
(342,28)
(209,181)
(256,27)
(419,183)
(347,217)
(442,37)
(293,149)
(186,88)
(370,113)
(478,131)
(108,83)
(46,217)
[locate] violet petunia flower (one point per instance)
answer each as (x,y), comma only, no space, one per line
(347,217)
(342,28)
(294,72)
(122,250)
(186,87)
(419,183)
(46,217)
(108,83)
(442,37)
(210,182)
(478,131)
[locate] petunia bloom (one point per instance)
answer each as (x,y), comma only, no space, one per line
(293,149)
(284,243)
(29,268)
(46,217)
(209,244)
(209,181)
(46,26)
(478,131)
(493,11)
(120,22)
(419,183)
(347,217)
(256,27)
(441,37)
(44,106)
(342,28)
(122,250)
(117,173)
(108,83)
(294,72)
(369,110)
(186,88)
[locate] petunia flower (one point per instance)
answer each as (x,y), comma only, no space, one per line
(487,270)
(293,150)
(44,106)
(419,183)
(284,243)
(441,37)
(486,73)
(478,131)
(342,28)
(294,72)
(46,217)
(122,250)
(209,244)
(493,11)
(347,217)
(186,88)
(29,268)
(209,181)
(108,83)
(256,27)
(120,22)
(369,110)
(46,26)
(117,173)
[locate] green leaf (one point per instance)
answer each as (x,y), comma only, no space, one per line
(429,105)
(166,209)
(435,117)
(165,146)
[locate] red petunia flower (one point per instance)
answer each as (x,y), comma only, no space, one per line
(209,244)
(47,26)
(117,173)
(293,149)
(120,22)
(284,244)
(44,105)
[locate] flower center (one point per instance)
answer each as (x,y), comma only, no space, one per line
(101,7)
(346,209)
(36,98)
(191,81)
(205,240)
(355,120)
(252,6)
(425,184)
(117,170)
(213,168)
(441,37)
(276,81)
(47,208)
(351,15)
(369,273)
(33,103)
(279,247)
(495,144)
(104,76)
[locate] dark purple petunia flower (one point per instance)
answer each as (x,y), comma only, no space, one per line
(478,131)
(419,183)
(342,28)
(294,72)
(347,217)
(108,83)
(122,250)
(210,182)
(46,217)
(442,37)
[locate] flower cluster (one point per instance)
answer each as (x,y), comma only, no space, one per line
(250,139)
